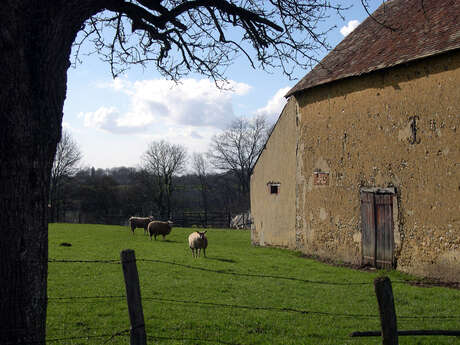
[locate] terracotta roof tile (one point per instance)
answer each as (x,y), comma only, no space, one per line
(412,29)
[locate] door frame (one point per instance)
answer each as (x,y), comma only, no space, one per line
(377,226)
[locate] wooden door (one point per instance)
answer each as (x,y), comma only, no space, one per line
(377,229)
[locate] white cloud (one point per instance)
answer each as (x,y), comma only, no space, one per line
(274,105)
(117,84)
(352,24)
(70,128)
(159,103)
(105,118)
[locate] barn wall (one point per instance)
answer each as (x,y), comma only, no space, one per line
(274,214)
(360,132)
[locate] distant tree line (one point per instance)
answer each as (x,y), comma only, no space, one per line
(215,188)
(111,196)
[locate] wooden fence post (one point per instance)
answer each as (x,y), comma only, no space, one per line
(384,293)
(133,296)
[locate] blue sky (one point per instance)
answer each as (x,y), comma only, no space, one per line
(113,121)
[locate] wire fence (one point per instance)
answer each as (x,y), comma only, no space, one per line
(104,337)
(415,282)
(103,299)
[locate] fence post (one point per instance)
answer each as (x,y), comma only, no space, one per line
(133,296)
(384,293)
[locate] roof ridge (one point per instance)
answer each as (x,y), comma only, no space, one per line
(422,31)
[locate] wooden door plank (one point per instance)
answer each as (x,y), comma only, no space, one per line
(389,241)
(368,228)
(384,228)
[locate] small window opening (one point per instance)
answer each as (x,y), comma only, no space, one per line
(273,187)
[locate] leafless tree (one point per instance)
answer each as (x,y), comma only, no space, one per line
(205,36)
(238,147)
(177,37)
(65,164)
(162,161)
(201,168)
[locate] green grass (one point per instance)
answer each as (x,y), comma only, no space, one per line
(239,294)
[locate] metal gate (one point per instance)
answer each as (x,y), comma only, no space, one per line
(377,228)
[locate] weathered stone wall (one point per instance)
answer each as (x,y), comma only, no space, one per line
(398,127)
(274,214)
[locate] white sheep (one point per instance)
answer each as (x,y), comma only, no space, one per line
(157,228)
(197,241)
(139,222)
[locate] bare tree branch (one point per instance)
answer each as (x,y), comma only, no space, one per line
(65,165)
(237,148)
(206,36)
(162,161)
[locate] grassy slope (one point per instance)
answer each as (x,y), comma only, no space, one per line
(240,294)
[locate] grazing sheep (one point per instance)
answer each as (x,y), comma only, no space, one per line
(139,222)
(197,241)
(157,228)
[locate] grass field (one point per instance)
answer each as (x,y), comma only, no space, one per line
(239,294)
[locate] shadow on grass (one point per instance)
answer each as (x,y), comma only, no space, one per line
(169,241)
(231,272)
(222,260)
(251,307)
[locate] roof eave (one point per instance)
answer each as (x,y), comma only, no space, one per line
(296,90)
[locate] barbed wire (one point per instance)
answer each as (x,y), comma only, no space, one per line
(254,275)
(214,341)
(288,309)
(104,261)
(277,309)
(420,282)
(71,299)
(54,340)
(281,309)
(103,298)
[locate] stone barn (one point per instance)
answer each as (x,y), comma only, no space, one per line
(367,159)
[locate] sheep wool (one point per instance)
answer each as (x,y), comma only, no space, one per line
(157,228)
(197,240)
(139,222)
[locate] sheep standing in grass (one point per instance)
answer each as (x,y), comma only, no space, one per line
(139,222)
(157,228)
(197,241)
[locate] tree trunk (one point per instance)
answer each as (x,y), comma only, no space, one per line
(35,44)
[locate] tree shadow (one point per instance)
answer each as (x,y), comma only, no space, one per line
(169,241)
(222,260)
(255,275)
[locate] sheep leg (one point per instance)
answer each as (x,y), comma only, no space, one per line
(204,252)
